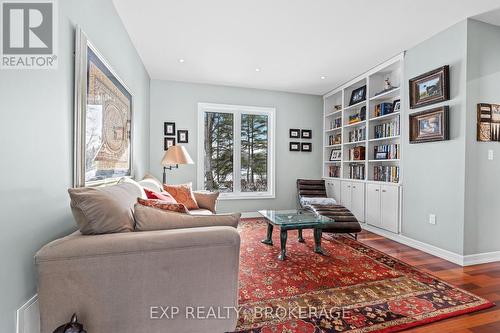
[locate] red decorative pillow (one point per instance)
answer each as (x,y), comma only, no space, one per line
(182,194)
(163,205)
(165,196)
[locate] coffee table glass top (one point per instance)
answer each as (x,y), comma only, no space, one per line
(294,217)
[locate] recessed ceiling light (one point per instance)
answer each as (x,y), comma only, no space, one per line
(181,60)
(323,77)
(257,69)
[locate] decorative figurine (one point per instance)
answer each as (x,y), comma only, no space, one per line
(387,84)
(72,327)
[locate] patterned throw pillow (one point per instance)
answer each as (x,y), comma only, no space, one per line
(182,194)
(163,205)
(165,196)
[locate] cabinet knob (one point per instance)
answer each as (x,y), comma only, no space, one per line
(376,190)
(384,191)
(354,187)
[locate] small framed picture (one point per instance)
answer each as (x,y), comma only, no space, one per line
(182,136)
(169,128)
(431,87)
(294,133)
(168,142)
(396,105)
(430,125)
(358,95)
(306,134)
(335,155)
(381,156)
(306,146)
(294,146)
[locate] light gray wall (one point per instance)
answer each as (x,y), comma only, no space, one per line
(36,142)
(178,102)
(482,230)
(433,173)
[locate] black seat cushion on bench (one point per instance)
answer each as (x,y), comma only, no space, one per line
(345,221)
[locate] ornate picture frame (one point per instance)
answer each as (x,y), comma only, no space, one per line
(103,121)
(430,88)
(430,125)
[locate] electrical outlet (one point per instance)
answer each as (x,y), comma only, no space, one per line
(490,154)
(432,219)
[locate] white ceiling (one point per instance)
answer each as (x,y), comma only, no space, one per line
(293,42)
(491,17)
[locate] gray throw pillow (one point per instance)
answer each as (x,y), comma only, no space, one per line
(104,210)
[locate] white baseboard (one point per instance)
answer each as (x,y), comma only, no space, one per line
(431,249)
(481,258)
(28,317)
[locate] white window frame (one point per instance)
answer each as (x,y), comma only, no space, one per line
(237,111)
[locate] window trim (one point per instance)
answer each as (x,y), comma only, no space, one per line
(237,110)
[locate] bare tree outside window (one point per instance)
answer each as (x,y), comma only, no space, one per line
(254,153)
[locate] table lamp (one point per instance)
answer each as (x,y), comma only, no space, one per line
(174,156)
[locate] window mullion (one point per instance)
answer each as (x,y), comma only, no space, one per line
(237,152)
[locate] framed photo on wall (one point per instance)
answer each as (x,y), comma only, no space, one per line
(294,146)
(168,142)
(306,146)
(430,125)
(430,88)
(306,134)
(294,133)
(169,128)
(103,119)
(182,136)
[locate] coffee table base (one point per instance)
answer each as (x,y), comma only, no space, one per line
(283,238)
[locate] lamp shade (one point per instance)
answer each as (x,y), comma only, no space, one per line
(176,155)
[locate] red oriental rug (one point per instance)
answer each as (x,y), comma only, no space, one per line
(354,288)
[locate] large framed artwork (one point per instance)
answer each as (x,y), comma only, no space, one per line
(430,125)
(103,119)
(430,88)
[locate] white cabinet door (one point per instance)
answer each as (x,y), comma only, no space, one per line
(373,205)
(329,188)
(337,190)
(346,195)
(358,200)
(389,199)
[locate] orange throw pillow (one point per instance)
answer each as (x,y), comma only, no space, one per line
(163,205)
(182,194)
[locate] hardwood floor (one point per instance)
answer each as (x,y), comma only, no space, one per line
(482,280)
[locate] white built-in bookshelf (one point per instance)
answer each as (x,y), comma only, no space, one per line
(346,130)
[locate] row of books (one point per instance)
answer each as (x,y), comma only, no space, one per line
(358,134)
(385,173)
(386,152)
(356,171)
(357,153)
(386,129)
(382,109)
(334,171)
(336,123)
(335,139)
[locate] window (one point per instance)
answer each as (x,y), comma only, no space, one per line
(235,150)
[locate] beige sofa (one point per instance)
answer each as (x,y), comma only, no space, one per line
(135,282)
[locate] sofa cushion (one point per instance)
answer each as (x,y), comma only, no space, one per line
(136,184)
(200,212)
(163,196)
(150,219)
(151,183)
(182,194)
(103,210)
(163,205)
(206,200)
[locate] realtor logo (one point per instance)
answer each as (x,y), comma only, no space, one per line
(28,35)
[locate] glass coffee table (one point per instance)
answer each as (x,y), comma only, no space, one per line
(296,219)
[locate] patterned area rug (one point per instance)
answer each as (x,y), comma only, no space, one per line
(354,288)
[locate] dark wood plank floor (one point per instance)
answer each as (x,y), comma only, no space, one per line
(482,280)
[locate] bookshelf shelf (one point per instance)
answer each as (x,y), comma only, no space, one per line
(359,123)
(335,113)
(387,95)
(382,161)
(357,105)
(385,116)
(386,138)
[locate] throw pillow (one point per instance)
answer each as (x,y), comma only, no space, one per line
(136,184)
(103,210)
(164,196)
(163,205)
(206,200)
(152,183)
(150,219)
(182,194)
